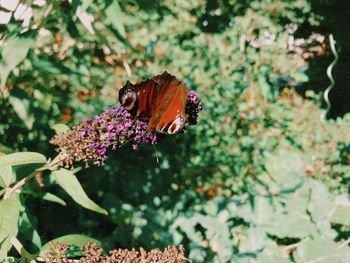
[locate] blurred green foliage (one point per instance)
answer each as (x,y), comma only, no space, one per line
(261,178)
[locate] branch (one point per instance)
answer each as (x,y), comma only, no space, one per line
(51,165)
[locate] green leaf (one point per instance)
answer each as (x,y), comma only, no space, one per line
(72,239)
(5,176)
(21,158)
(286,169)
(254,242)
(113,17)
(14,50)
(259,212)
(341,214)
(321,250)
(291,226)
(299,76)
(9,215)
(273,253)
(48,197)
(262,213)
(53,198)
(5,149)
(28,225)
(85,18)
(321,203)
(67,180)
(22,108)
(60,128)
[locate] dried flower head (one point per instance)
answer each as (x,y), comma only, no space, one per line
(57,253)
(92,253)
(90,140)
(169,254)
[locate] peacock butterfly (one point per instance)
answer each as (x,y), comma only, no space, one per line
(159,101)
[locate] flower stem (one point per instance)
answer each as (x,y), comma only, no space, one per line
(21,250)
(19,184)
(51,165)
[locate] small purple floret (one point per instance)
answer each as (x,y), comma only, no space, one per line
(135,147)
(95,145)
(101,151)
(193,106)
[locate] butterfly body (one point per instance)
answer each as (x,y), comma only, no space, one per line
(159,101)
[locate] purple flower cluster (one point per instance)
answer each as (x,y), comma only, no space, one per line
(89,141)
(193,106)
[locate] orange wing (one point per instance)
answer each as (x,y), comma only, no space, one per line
(160,101)
(146,93)
(169,109)
(139,99)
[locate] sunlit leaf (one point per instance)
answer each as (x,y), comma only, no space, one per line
(67,180)
(28,226)
(86,19)
(286,170)
(341,212)
(6,176)
(21,158)
(72,239)
(321,250)
(291,226)
(9,5)
(255,241)
(114,15)
(22,108)
(9,214)
(14,50)
(5,17)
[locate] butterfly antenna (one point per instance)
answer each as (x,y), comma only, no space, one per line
(156,153)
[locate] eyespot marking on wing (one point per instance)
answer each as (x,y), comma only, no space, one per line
(128,99)
(176,125)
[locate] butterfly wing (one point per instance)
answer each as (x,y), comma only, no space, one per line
(160,101)
(139,99)
(146,93)
(169,108)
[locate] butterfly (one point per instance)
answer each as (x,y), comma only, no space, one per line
(159,101)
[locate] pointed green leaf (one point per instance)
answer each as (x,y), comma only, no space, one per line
(72,239)
(286,169)
(299,76)
(5,176)
(321,250)
(254,242)
(9,214)
(341,212)
(321,202)
(5,149)
(22,109)
(48,197)
(273,253)
(53,198)
(113,17)
(21,158)
(14,50)
(341,215)
(28,226)
(67,180)
(292,226)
